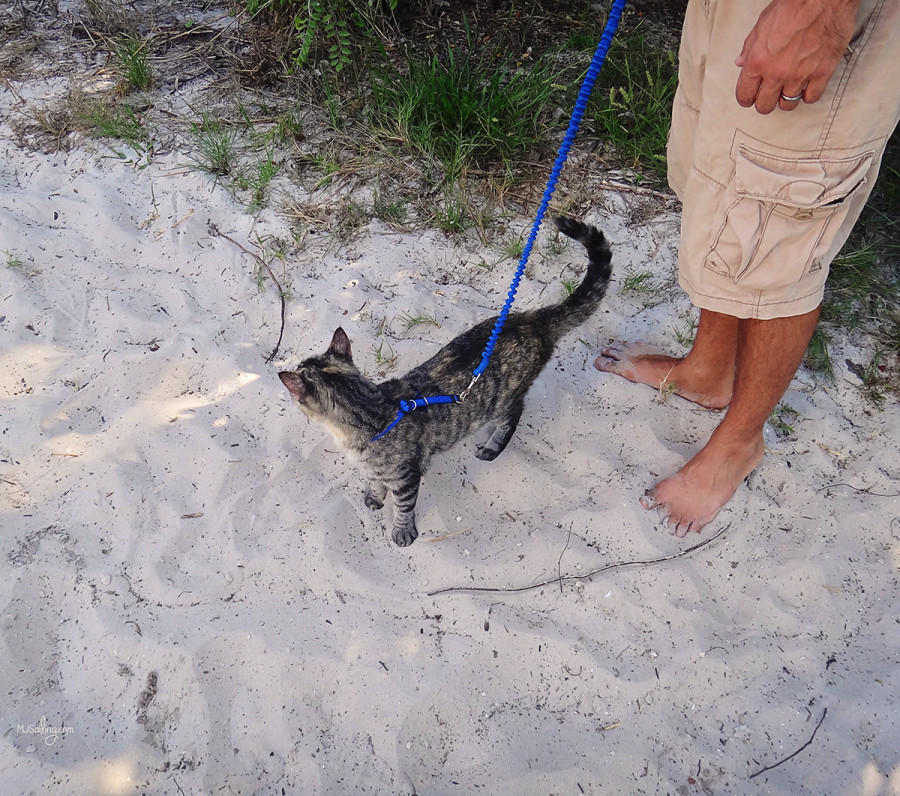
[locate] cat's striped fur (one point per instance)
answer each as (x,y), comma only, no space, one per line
(330,389)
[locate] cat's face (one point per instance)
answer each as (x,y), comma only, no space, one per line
(317,383)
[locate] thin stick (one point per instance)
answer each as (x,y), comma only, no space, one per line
(562,578)
(559,563)
(448,535)
(265,265)
(811,737)
(865,491)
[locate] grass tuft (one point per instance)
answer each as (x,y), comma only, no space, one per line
(114,121)
(421,318)
(132,63)
(216,145)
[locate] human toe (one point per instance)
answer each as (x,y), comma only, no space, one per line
(649,500)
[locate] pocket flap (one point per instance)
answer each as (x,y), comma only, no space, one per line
(806,183)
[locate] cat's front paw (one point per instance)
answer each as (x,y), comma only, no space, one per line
(404,537)
(486,453)
(373,502)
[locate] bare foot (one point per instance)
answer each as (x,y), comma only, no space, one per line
(642,364)
(693,496)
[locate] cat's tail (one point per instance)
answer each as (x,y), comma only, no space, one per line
(584,300)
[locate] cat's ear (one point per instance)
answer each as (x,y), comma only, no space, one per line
(296,387)
(340,345)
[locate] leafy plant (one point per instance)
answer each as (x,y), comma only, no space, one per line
(329,27)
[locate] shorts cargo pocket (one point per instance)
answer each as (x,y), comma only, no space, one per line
(778,216)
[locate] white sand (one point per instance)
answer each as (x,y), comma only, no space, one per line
(194,590)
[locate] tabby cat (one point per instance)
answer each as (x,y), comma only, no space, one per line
(330,389)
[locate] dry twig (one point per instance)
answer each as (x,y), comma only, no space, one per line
(811,737)
(866,491)
(562,578)
(265,265)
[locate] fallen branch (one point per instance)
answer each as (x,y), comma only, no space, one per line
(563,578)
(811,737)
(265,265)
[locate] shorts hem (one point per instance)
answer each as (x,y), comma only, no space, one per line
(756,305)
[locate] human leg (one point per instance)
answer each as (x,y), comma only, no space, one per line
(705,375)
(768,354)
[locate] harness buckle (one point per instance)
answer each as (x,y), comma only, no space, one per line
(462,396)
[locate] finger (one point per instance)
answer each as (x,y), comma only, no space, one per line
(746,89)
(767,98)
(789,100)
(814,90)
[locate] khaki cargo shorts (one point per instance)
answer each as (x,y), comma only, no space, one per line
(770,200)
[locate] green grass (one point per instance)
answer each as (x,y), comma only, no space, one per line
(462,111)
(632,102)
(115,121)
(782,420)
(132,62)
(385,360)
(818,357)
(257,179)
(421,318)
(387,210)
(686,332)
(863,288)
(858,285)
(452,214)
(639,282)
(643,286)
(288,128)
(875,379)
(215,145)
(514,248)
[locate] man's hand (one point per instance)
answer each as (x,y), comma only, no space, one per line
(792,52)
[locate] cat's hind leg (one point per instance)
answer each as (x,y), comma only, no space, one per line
(405,492)
(376,492)
(502,433)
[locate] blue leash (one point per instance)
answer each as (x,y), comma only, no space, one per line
(584,94)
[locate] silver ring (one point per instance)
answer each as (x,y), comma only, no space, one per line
(792,99)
